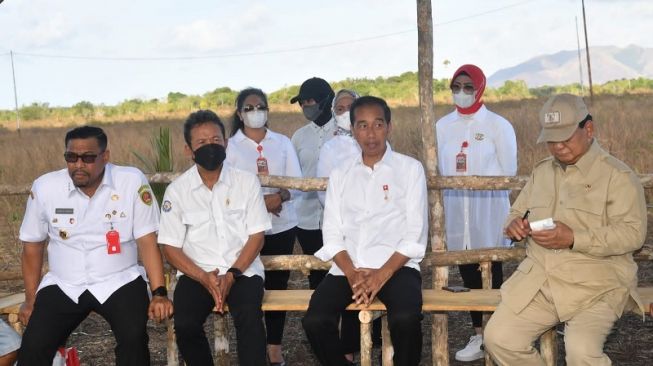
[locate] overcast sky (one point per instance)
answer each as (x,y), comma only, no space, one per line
(270,44)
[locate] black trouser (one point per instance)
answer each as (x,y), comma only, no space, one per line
(55,316)
(402,296)
(311,242)
(277,244)
(193,304)
(472,278)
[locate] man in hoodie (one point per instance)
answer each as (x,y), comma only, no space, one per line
(315,98)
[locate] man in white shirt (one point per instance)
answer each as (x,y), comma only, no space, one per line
(96,217)
(212,228)
(315,97)
(375,230)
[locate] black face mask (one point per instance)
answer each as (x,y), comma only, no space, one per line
(210,156)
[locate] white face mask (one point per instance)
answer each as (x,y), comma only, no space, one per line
(343,121)
(255,119)
(463,100)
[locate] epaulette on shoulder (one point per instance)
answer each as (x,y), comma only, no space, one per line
(616,163)
(545,160)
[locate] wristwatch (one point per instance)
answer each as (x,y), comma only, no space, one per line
(284,194)
(160,291)
(235,272)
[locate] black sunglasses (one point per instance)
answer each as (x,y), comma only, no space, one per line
(72,157)
(259,107)
(467,88)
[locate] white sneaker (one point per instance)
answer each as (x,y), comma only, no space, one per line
(473,350)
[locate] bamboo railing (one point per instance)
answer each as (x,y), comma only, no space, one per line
(439,259)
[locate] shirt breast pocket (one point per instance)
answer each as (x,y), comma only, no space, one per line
(540,206)
(198,225)
(117,218)
(59,221)
(586,210)
(236,222)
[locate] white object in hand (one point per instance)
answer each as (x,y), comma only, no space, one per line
(546,224)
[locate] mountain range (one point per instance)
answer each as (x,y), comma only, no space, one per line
(608,63)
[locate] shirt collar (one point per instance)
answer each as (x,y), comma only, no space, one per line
(196,180)
(107,179)
(387,156)
(240,136)
(585,163)
(478,115)
(326,126)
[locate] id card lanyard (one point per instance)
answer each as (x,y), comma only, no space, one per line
(461,158)
(261,162)
(113,241)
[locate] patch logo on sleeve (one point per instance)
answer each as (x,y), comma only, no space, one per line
(145,193)
(166,206)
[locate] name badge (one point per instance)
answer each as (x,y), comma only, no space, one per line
(113,242)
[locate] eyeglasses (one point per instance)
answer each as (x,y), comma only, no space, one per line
(258,107)
(467,88)
(72,157)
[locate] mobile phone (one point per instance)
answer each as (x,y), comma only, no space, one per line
(456,288)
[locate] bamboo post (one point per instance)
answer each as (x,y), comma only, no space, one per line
(439,335)
(172,353)
(486,275)
(549,347)
(365,317)
(221,341)
(387,351)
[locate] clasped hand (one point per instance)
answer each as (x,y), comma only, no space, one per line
(218,286)
(366,284)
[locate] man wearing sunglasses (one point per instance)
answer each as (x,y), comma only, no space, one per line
(96,218)
(580,269)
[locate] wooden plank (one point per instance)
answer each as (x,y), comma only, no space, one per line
(11,304)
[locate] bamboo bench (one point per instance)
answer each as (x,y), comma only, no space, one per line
(433,301)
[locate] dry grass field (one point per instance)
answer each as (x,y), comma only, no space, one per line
(625,128)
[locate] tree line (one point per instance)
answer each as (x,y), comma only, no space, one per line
(399,90)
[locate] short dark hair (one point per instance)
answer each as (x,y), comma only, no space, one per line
(201,117)
(237,123)
(369,100)
(87,132)
(582,123)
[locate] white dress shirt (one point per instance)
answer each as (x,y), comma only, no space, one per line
(335,152)
(76,227)
(282,160)
(212,226)
(373,213)
(474,219)
(308,141)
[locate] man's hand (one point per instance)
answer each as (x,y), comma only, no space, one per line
(160,308)
(225,282)
(518,229)
(273,203)
(353,277)
(25,312)
(561,237)
(210,281)
(372,282)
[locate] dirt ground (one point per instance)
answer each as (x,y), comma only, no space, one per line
(630,343)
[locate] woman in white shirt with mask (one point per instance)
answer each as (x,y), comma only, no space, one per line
(342,146)
(475,141)
(255,148)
